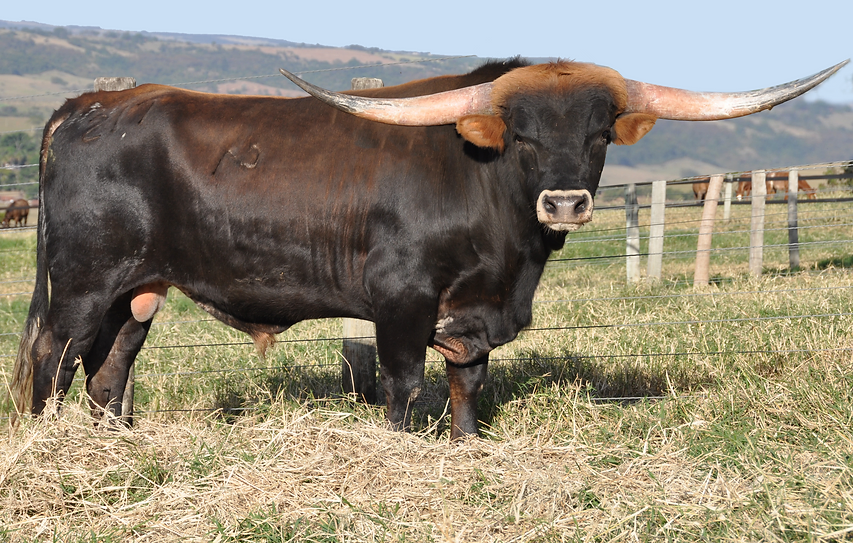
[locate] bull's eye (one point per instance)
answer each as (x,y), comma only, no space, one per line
(606,135)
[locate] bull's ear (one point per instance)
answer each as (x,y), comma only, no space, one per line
(482,130)
(631,127)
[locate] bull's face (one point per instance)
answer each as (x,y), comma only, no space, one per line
(559,142)
(557,136)
(559,146)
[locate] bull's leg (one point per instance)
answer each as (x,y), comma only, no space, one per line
(108,362)
(402,354)
(65,336)
(465,386)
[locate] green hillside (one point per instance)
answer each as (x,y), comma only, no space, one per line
(90,53)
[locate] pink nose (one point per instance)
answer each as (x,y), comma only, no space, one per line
(564,209)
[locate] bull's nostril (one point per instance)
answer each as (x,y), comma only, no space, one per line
(564,209)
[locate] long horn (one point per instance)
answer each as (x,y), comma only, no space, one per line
(430,110)
(682,105)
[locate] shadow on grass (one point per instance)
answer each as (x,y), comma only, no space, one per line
(602,379)
(622,381)
(843,262)
(234,394)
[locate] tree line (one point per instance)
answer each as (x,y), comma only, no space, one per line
(18,149)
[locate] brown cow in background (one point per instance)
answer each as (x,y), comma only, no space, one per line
(18,212)
(775,185)
(700,189)
(776,181)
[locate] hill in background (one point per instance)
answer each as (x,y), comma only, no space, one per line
(42,65)
(67,59)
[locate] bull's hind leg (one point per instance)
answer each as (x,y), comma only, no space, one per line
(108,362)
(64,338)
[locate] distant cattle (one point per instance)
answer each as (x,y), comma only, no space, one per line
(744,189)
(775,182)
(781,185)
(436,222)
(17,213)
(700,189)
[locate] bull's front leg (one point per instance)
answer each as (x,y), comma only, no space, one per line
(402,354)
(466,382)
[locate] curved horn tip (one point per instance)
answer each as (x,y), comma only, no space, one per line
(285,73)
(813,81)
(823,75)
(298,81)
(289,75)
(683,105)
(840,65)
(317,92)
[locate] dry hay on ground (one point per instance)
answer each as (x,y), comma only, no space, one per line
(186,480)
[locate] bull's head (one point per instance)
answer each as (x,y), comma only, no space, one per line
(557,120)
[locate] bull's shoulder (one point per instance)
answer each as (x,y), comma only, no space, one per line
(105,99)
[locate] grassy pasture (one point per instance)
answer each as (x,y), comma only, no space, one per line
(644,412)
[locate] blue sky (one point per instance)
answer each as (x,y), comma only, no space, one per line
(706,46)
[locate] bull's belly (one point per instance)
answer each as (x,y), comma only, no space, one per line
(281,306)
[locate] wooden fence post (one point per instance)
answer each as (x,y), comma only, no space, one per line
(117,84)
(756,235)
(702,274)
(114,83)
(656,230)
(358,367)
(793,231)
(632,227)
(727,199)
(359,83)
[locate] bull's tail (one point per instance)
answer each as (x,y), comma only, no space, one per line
(21,387)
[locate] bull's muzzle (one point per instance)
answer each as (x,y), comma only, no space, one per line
(564,210)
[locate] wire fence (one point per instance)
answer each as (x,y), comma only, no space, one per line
(822,220)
